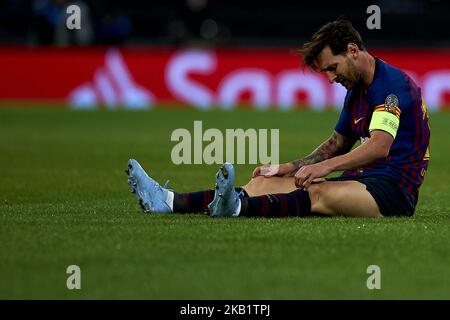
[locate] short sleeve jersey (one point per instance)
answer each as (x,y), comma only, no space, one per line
(392,103)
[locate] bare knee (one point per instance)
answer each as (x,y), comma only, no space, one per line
(314,192)
(324,199)
(257,180)
(256,184)
(263,185)
(316,197)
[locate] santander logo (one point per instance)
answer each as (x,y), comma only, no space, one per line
(113,86)
(265,88)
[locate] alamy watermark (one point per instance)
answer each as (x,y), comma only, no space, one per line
(73,21)
(74,280)
(221,147)
(374,280)
(374,20)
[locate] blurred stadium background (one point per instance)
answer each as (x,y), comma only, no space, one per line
(225,22)
(66,135)
(205,53)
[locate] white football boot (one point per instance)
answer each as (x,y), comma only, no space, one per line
(151,196)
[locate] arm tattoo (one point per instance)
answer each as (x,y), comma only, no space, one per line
(328,149)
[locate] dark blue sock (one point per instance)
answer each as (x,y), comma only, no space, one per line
(296,203)
(193,202)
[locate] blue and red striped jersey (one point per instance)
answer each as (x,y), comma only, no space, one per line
(392,90)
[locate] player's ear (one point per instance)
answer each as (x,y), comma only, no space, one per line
(352,50)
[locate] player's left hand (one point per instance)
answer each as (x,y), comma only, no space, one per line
(306,174)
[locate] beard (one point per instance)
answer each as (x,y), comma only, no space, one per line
(352,78)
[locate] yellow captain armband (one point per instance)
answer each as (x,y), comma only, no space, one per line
(385,120)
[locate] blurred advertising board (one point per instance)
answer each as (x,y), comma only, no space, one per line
(145,77)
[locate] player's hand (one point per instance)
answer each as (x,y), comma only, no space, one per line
(272,170)
(306,174)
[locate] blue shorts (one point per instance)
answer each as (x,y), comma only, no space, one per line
(391,200)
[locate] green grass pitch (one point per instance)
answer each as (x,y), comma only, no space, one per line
(64,201)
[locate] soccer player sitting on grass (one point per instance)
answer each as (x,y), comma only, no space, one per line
(383,109)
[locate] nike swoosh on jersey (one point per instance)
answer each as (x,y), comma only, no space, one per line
(358,120)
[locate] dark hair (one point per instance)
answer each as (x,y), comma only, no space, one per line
(336,34)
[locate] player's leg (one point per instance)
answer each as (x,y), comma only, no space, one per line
(192,202)
(262,185)
(152,196)
(345,198)
(348,198)
(331,197)
(155,198)
(197,201)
